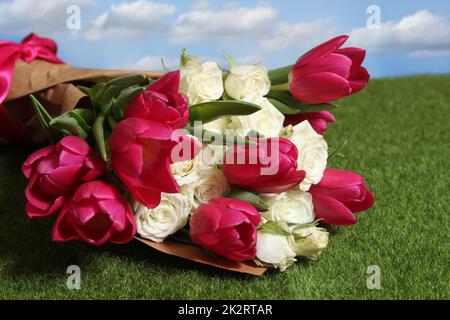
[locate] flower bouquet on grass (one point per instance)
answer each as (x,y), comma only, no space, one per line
(223,167)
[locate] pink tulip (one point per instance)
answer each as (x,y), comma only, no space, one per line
(339,195)
(55,172)
(141,155)
(226,227)
(317,120)
(161,102)
(327,73)
(96,214)
(268,167)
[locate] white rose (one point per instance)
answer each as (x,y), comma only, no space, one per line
(211,184)
(309,242)
(247,82)
(218,126)
(268,121)
(294,206)
(185,172)
(211,154)
(312,153)
(201,82)
(167,218)
(275,250)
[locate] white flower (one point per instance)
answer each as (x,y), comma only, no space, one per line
(201,82)
(309,242)
(218,126)
(312,153)
(185,172)
(294,206)
(268,121)
(167,218)
(275,250)
(247,82)
(210,184)
(211,155)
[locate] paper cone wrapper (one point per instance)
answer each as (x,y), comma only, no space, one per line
(194,253)
(54,85)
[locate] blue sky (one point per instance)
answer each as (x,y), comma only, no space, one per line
(413,36)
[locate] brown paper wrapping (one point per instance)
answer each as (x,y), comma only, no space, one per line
(193,253)
(53,85)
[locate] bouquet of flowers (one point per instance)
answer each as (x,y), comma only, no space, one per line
(226,167)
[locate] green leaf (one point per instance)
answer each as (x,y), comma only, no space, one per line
(107,98)
(99,134)
(279,75)
(128,80)
(283,108)
(43,116)
(209,137)
(163,64)
(290,105)
(275,227)
(75,122)
(210,111)
(123,99)
(317,107)
(249,197)
(297,229)
(229,60)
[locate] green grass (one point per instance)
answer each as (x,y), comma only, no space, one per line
(399,139)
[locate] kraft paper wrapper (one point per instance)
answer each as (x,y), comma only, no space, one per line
(53,85)
(40,75)
(194,253)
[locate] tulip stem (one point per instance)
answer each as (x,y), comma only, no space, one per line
(280,87)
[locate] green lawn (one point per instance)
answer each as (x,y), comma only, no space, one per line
(399,139)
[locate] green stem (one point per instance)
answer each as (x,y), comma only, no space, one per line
(111,121)
(99,133)
(280,87)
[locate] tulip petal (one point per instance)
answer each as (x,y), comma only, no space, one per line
(357,55)
(332,211)
(320,88)
(28,165)
(321,51)
(333,63)
(170,82)
(75,145)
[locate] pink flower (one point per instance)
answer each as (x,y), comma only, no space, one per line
(141,155)
(161,102)
(327,73)
(340,194)
(268,167)
(317,120)
(55,172)
(95,214)
(226,227)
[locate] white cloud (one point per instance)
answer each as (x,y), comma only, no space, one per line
(44,17)
(130,20)
(421,35)
(302,34)
(204,23)
(150,63)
